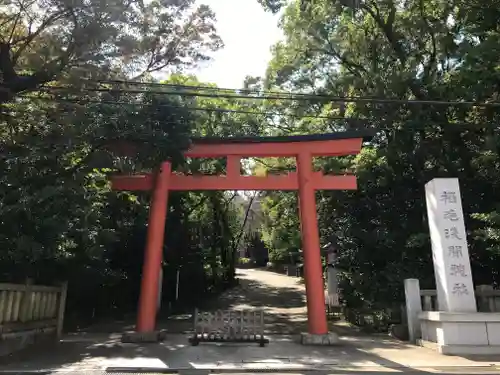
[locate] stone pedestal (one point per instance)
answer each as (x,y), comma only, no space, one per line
(456,328)
(328,339)
(413,308)
(455,333)
(291,270)
(144,337)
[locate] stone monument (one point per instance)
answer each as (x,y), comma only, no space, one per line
(457,328)
(450,253)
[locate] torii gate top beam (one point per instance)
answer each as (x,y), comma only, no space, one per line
(334,144)
(234,149)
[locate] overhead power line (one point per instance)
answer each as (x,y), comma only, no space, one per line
(262,95)
(302,97)
(203,88)
(355,120)
(191,87)
(190,108)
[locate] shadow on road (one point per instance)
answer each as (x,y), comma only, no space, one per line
(255,294)
(367,355)
(284,306)
(284,303)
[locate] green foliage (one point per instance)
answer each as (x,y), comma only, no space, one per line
(41,41)
(426,50)
(280,232)
(272,5)
(59,219)
(61,139)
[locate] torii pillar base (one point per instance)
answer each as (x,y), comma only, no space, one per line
(327,339)
(144,337)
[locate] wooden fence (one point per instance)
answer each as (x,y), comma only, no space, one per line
(487,299)
(28,307)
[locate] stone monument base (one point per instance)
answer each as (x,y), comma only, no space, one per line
(456,333)
(328,339)
(143,337)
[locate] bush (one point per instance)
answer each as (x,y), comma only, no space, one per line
(371,319)
(246,263)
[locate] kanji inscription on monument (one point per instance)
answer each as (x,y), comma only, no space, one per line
(455,290)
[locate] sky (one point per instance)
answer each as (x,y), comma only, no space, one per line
(248,33)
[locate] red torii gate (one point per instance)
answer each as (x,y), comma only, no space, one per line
(305,180)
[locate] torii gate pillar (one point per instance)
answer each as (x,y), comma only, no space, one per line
(148,300)
(310,242)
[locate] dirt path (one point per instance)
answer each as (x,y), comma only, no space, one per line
(281,297)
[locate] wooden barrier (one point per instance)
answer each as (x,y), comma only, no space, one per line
(332,305)
(28,311)
(229,326)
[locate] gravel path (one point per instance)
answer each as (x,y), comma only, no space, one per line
(282,298)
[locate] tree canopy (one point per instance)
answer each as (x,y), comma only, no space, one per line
(425,51)
(69,121)
(44,40)
(82,81)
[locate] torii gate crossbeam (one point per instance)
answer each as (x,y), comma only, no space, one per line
(305,180)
